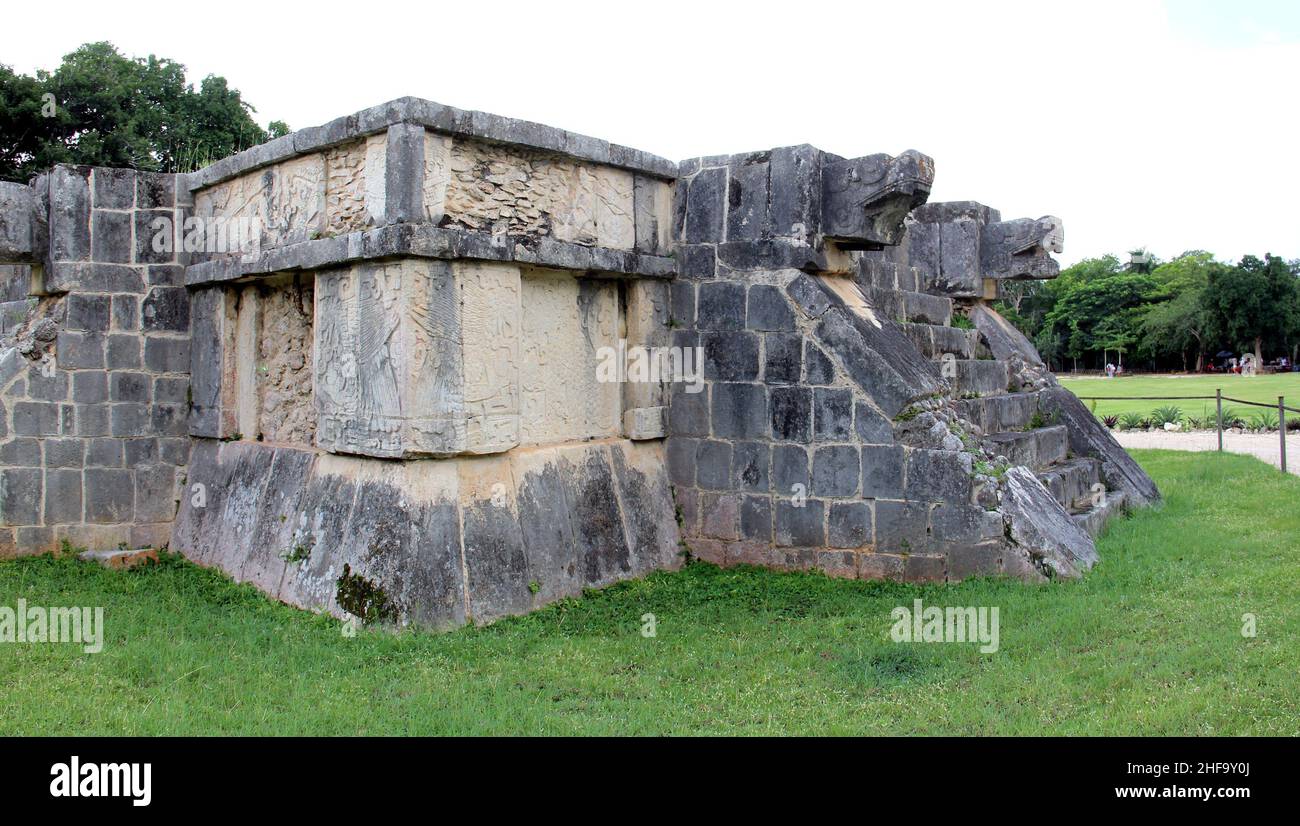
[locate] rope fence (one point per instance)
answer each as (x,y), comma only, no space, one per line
(1218,398)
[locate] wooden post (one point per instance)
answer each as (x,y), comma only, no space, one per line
(1281,427)
(1218,406)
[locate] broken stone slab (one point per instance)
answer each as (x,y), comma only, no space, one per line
(875,353)
(121,559)
(1089,437)
(1004,340)
(1042,529)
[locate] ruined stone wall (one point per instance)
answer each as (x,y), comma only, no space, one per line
(94,376)
(443,297)
(800,453)
(395,399)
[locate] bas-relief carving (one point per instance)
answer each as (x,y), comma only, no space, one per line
(490,330)
(354,184)
(437,174)
(566,322)
(518,191)
(429,358)
(285,365)
(288,200)
(388,365)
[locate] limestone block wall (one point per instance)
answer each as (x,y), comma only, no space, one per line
(94,376)
(410,174)
(825,439)
(448,290)
(789,458)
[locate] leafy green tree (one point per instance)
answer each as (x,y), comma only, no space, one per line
(1099,308)
(112,110)
(1178,323)
(24,131)
(1256,301)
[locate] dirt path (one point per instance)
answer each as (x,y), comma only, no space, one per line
(1264,446)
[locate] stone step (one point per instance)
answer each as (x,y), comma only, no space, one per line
(998,414)
(934,340)
(1094,519)
(1038,448)
(906,305)
(1071,482)
(978,377)
(888,275)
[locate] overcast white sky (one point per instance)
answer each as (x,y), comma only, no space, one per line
(1167,125)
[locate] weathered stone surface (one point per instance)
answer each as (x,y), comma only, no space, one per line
(19,241)
(603,552)
(1042,529)
(1021,248)
(876,355)
(864,200)
(1004,340)
(1089,437)
(388,370)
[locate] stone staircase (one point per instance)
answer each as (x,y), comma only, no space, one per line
(1011,421)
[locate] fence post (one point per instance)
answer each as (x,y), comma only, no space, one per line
(1218,406)
(1281,427)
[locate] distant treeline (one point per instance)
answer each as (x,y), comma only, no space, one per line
(102,108)
(1153,315)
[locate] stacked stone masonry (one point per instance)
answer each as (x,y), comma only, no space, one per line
(383,368)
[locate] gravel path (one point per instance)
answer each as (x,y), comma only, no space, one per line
(1264,446)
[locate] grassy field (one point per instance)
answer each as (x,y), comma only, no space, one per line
(1149,643)
(1262,388)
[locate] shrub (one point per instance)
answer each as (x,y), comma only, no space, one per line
(1263,420)
(1110,421)
(1167,414)
(1132,420)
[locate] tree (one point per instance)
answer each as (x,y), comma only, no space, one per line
(24,131)
(1179,322)
(1095,306)
(112,110)
(1254,302)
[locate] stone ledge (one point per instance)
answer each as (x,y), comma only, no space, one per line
(429,241)
(439,118)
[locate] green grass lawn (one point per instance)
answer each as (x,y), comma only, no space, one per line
(1261,388)
(1149,643)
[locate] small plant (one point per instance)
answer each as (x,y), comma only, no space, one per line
(1263,420)
(991,470)
(962,322)
(300,552)
(908,414)
(1132,420)
(1167,414)
(1110,421)
(1039,420)
(1231,418)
